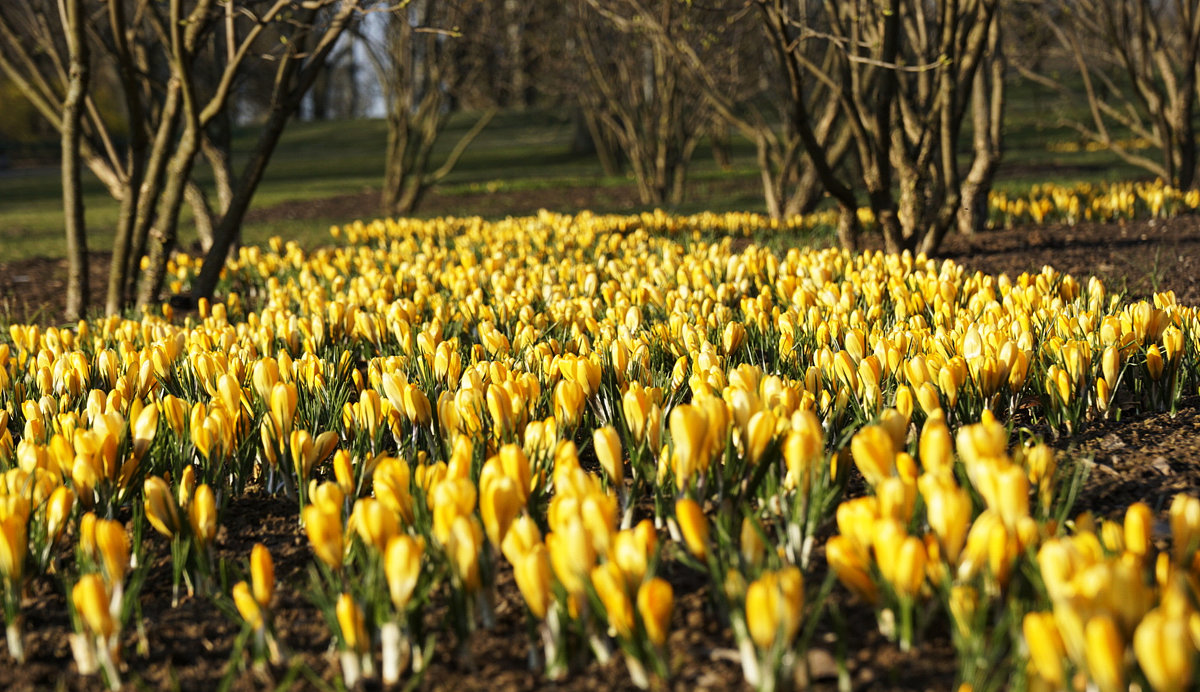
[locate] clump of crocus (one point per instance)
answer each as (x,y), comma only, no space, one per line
(253,601)
(100,598)
(190,524)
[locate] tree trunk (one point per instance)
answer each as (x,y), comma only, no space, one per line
(227,230)
(514,40)
(114,300)
(202,214)
(149,193)
(806,195)
(848,227)
(410,146)
(216,145)
(135,166)
(393,167)
(606,150)
(179,171)
(722,145)
(772,182)
(284,102)
(410,196)
(987,113)
(178,178)
(76,230)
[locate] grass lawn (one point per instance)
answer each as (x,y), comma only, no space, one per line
(518,152)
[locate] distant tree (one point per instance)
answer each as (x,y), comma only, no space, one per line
(1138,62)
(637,93)
(72,193)
(904,73)
(747,87)
(178,63)
(425,60)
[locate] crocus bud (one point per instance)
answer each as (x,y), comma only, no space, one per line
(247,606)
(1164,649)
(571,555)
(343,472)
(1138,524)
(935,447)
(324,529)
(610,587)
(760,430)
(499,503)
(202,515)
(688,425)
(374,522)
(144,428)
(351,621)
(402,567)
(416,405)
(694,526)
(113,544)
(752,546)
(90,598)
(1045,646)
(569,398)
(187,487)
(632,549)
(874,453)
(1105,654)
(773,605)
(909,574)
(522,536)
(655,601)
(635,403)
(87,536)
(463,547)
(608,451)
(531,570)
(13,547)
(262,575)
(1154,362)
(850,568)
(1184,517)
(58,510)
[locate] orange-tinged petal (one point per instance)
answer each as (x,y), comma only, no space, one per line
(262,575)
(694,527)
(247,606)
(90,598)
(874,453)
(655,602)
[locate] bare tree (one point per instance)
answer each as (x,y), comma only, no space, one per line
(901,73)
(178,62)
(72,114)
(988,97)
(744,83)
(316,27)
(1138,62)
(426,58)
(639,94)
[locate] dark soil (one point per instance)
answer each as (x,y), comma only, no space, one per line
(1139,458)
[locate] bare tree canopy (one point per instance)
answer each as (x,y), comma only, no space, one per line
(177,66)
(430,58)
(1137,61)
(897,105)
(739,77)
(638,92)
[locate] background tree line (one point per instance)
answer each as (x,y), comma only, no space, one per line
(896,105)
